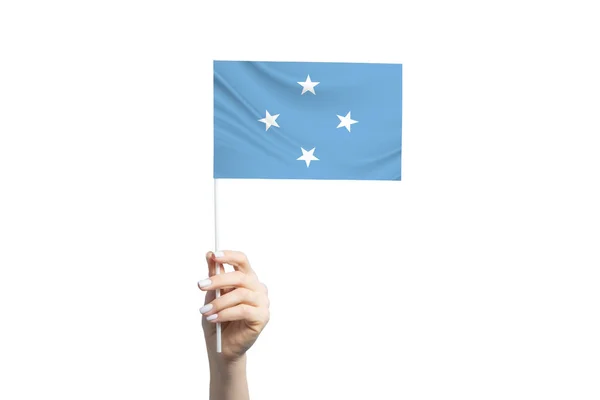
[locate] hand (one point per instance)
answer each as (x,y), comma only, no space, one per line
(242,308)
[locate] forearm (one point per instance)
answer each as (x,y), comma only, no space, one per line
(228,379)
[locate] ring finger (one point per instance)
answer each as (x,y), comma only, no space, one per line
(232,299)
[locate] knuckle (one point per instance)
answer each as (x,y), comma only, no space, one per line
(241,277)
(243,294)
(243,257)
(244,310)
(253,282)
(266,317)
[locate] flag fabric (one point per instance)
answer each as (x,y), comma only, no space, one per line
(307,120)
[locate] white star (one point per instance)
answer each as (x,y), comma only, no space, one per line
(269,120)
(346,121)
(307,156)
(308,85)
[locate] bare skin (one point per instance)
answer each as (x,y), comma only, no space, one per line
(243,311)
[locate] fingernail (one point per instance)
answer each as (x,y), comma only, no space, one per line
(204,283)
(206,308)
(219,254)
(211,317)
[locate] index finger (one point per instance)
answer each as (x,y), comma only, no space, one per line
(236,259)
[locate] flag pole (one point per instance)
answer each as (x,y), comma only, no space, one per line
(217,265)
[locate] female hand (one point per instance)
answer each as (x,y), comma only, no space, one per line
(242,308)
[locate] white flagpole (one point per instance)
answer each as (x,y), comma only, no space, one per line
(217,266)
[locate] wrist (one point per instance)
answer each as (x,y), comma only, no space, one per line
(228,378)
(220,366)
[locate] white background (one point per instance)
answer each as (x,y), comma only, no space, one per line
(476,277)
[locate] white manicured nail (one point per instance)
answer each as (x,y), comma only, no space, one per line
(211,317)
(204,283)
(219,254)
(206,308)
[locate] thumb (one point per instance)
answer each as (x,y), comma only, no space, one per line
(210,260)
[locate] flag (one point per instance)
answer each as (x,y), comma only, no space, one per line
(307,120)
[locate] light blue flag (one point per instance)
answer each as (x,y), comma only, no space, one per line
(307,120)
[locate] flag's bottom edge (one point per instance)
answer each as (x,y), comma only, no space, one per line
(309,179)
